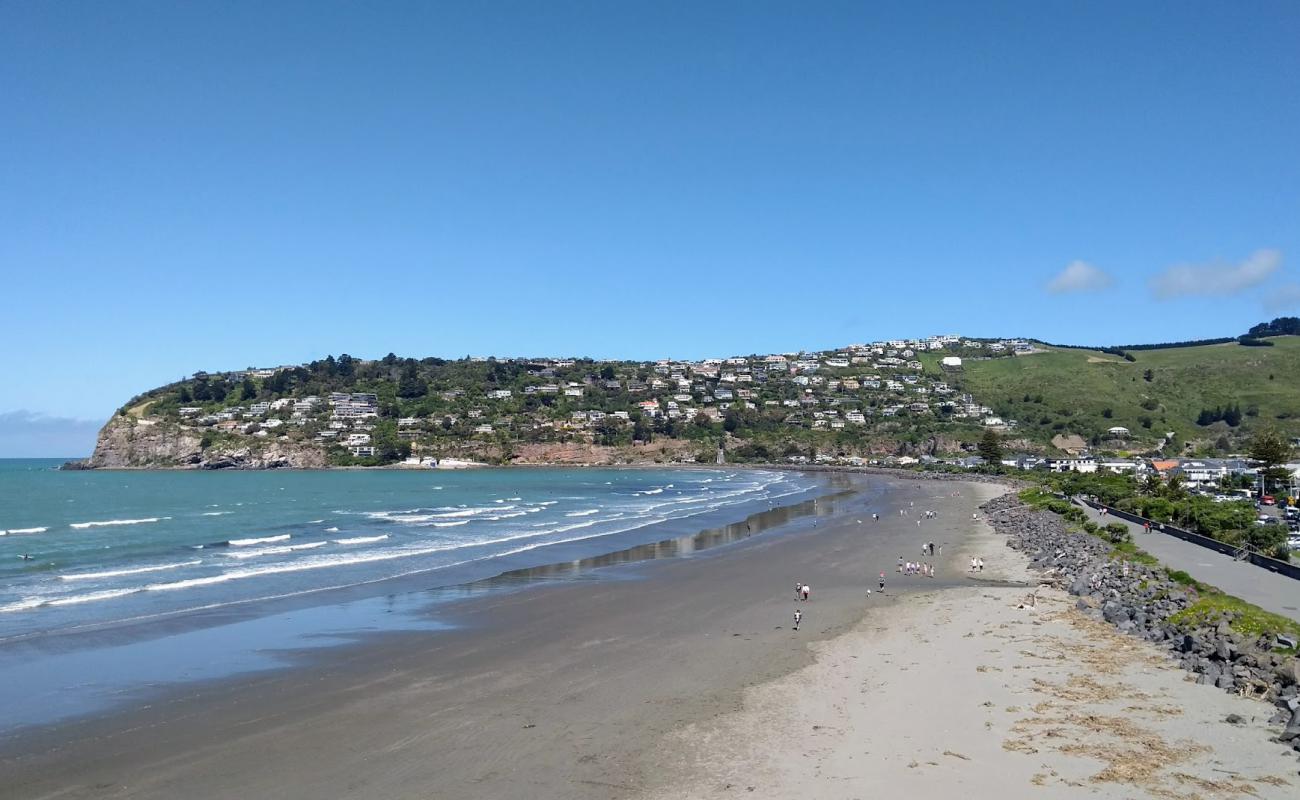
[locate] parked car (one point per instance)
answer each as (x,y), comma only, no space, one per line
(1268,500)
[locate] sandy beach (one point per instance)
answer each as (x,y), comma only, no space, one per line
(984,691)
(683,678)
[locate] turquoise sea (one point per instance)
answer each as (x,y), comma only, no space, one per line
(133,573)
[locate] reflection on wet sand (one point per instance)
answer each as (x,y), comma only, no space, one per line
(667,548)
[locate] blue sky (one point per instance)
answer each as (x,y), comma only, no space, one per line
(193,186)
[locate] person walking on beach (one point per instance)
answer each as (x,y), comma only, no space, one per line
(900,565)
(798,617)
(807,590)
(882,583)
(798,590)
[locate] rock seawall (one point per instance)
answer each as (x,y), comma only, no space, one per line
(1140,600)
(126,442)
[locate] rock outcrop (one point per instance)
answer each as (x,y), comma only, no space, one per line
(128,442)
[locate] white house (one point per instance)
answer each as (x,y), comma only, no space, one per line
(1118,430)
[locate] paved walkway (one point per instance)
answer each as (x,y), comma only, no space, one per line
(1268,590)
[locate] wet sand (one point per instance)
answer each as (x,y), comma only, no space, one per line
(563,690)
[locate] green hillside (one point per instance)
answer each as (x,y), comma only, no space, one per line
(886,398)
(1086,392)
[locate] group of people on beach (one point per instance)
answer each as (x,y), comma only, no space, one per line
(802,592)
(922,568)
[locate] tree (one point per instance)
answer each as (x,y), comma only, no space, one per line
(247,389)
(1174,489)
(1148,376)
(641,432)
(410,385)
(990,448)
(1232,415)
(1272,451)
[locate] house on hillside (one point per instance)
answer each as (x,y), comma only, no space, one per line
(1121,465)
(1164,466)
(1118,431)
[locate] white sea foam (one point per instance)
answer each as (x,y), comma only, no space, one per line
(586,513)
(361,539)
(189,584)
(314,521)
(90,597)
(113,573)
(108,522)
(262,540)
(331,530)
(215,513)
(23,605)
(22,531)
(449,524)
(272,551)
(417,516)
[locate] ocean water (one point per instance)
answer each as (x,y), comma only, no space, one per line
(91,550)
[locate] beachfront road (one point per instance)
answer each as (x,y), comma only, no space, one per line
(1268,590)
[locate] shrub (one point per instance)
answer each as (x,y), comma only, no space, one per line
(1118,532)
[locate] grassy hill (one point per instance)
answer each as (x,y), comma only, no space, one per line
(1088,391)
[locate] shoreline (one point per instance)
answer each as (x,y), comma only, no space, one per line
(496,705)
(293,625)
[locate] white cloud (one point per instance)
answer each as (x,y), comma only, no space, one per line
(28,434)
(1217,279)
(1079,276)
(1283,298)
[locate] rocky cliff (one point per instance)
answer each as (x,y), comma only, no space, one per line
(127,442)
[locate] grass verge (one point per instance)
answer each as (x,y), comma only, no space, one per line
(1246,619)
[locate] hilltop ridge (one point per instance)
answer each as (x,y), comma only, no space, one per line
(934,396)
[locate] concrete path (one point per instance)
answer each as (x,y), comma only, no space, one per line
(1268,590)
